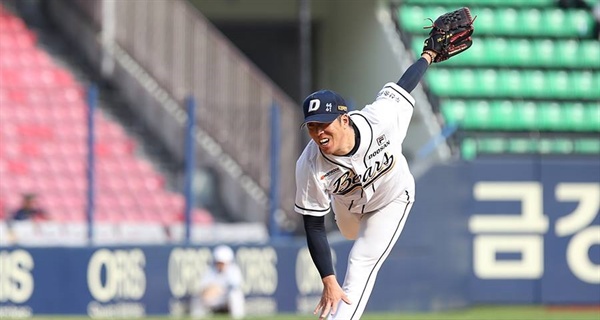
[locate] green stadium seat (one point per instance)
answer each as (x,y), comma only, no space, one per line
(581,21)
(521,145)
(567,117)
(515,83)
(471,147)
(487,80)
(592,115)
(589,52)
(409,16)
(454,111)
(536,83)
(492,145)
(503,115)
(467,77)
(478,115)
(580,117)
(506,52)
(484,21)
(531,18)
(586,84)
(493,3)
(442,80)
(522,50)
(545,146)
(468,149)
(561,146)
(538,72)
(509,82)
(508,18)
(526,115)
(549,116)
(568,52)
(587,146)
(558,84)
(506,115)
(498,51)
(555,146)
(556,22)
(550,22)
(545,53)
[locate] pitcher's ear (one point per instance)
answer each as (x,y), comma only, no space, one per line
(344,118)
(348,120)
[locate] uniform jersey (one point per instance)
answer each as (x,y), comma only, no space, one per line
(230,278)
(375,175)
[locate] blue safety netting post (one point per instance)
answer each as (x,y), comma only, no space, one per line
(274,228)
(92,97)
(190,165)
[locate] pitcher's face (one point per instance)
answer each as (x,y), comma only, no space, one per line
(330,137)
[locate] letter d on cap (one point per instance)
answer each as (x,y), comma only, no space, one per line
(314,105)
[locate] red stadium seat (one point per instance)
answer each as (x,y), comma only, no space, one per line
(43,149)
(17,168)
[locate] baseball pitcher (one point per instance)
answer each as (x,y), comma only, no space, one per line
(354,166)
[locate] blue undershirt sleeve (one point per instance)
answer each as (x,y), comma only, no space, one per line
(318,245)
(413,75)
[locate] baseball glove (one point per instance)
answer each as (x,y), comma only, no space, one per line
(450,34)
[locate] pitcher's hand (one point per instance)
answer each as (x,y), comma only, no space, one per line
(330,298)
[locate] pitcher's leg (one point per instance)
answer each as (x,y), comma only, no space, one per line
(378,234)
(237,306)
(348,224)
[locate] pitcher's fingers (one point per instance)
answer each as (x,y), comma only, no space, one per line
(325,311)
(319,307)
(334,308)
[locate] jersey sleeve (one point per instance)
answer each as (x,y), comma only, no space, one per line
(208,279)
(394,106)
(311,196)
(234,276)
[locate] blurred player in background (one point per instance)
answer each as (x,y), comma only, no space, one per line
(29,209)
(221,287)
(354,165)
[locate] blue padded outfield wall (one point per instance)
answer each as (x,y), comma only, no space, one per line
(507,230)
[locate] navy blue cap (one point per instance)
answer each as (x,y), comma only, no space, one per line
(323,106)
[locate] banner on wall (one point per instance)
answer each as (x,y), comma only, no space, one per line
(535,228)
(510,231)
(137,281)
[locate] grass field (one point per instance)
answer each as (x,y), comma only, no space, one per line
(478,313)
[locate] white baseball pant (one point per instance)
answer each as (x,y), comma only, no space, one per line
(375,234)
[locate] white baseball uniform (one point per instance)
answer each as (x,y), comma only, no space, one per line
(370,192)
(226,292)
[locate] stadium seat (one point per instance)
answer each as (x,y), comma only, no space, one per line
(19,40)
(514,21)
(507,52)
(468,149)
(587,146)
(43,132)
(514,83)
(471,147)
(532,67)
(491,3)
(518,115)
